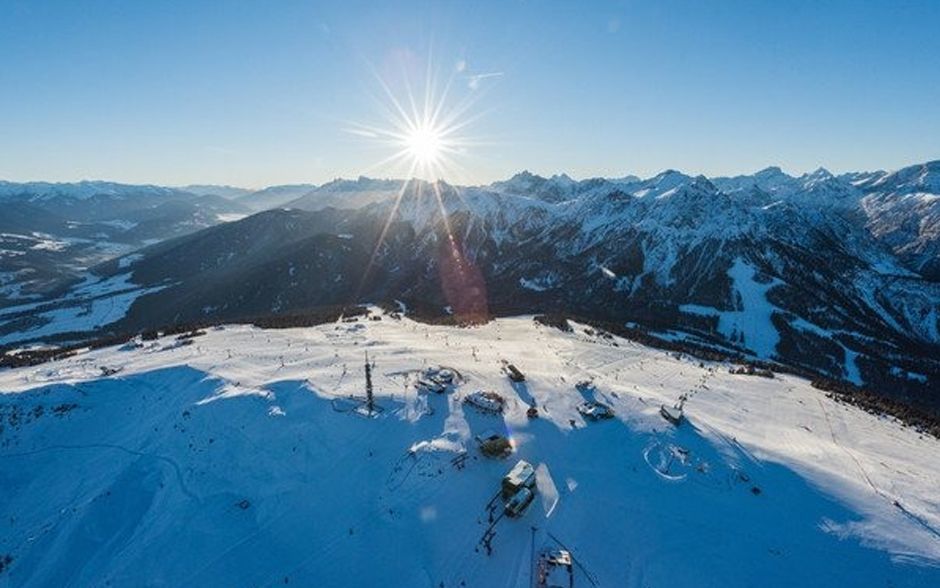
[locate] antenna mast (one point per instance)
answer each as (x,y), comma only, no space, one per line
(369,399)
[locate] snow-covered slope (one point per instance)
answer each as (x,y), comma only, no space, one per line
(39,191)
(274,196)
(50,233)
(237,460)
(791,274)
(93,304)
(559,187)
(902,210)
(346,194)
(832,274)
(224,191)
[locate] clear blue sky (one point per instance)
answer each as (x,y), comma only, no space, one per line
(257,93)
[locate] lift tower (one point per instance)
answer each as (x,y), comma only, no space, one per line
(370,404)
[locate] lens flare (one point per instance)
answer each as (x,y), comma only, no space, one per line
(424,133)
(424,136)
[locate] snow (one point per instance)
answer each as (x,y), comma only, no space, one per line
(81,317)
(39,191)
(129,260)
(805,325)
(230,217)
(851,366)
(11,285)
(48,244)
(540,283)
(94,303)
(902,373)
(234,461)
(852,372)
(753,321)
(123,224)
(93,285)
(750,324)
(38,241)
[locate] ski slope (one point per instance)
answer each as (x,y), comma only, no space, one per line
(237,460)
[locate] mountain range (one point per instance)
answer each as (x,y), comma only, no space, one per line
(836,275)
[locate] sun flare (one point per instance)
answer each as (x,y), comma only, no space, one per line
(425,144)
(424,131)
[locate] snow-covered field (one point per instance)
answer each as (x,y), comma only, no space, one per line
(88,306)
(237,461)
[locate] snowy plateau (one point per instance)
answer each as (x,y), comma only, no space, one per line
(243,457)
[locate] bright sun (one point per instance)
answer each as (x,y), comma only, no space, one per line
(423,132)
(424,144)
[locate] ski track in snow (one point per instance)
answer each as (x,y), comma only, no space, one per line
(751,324)
(172,463)
(769,481)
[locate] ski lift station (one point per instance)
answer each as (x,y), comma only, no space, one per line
(673,414)
(436,379)
(595,411)
(428,385)
(493,444)
(522,475)
(486,401)
(518,489)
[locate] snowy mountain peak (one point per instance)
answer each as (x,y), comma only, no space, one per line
(359,184)
(820,175)
(703,183)
(80,190)
(696,189)
(523,180)
(662,183)
(770,171)
(563,179)
(526,175)
(670,175)
(923,177)
(558,188)
(771,180)
(627,179)
(225,191)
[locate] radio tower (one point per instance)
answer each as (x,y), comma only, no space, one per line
(369,400)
